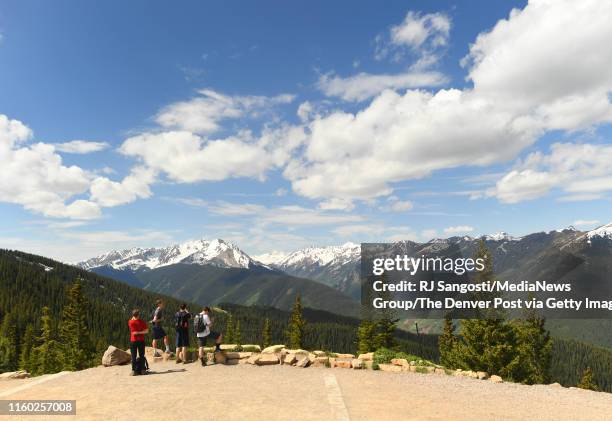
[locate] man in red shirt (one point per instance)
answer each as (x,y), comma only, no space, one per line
(138,328)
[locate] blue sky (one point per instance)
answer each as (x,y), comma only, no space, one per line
(278,125)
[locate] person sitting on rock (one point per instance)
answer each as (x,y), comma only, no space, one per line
(158,330)
(182,333)
(138,328)
(202,325)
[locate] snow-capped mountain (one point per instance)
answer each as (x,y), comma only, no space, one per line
(605,231)
(200,252)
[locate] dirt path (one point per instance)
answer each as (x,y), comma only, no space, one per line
(246,392)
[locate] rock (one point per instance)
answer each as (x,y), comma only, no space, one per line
(496,379)
(348,356)
(228,347)
(357,364)
(254,347)
(482,375)
(267,359)
(555,385)
(156,359)
(399,361)
(342,362)
(303,363)
(253,359)
(20,374)
(295,351)
(272,349)
(220,358)
(237,355)
(290,359)
(115,356)
(439,370)
(389,367)
(320,362)
(319,353)
(366,357)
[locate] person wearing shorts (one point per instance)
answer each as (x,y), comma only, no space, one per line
(182,333)
(206,334)
(158,331)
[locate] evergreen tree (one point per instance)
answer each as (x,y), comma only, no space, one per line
(487,344)
(25,357)
(534,350)
(9,357)
(587,380)
(46,356)
(447,343)
(237,334)
(267,333)
(297,324)
(74,333)
(229,329)
(365,336)
(384,323)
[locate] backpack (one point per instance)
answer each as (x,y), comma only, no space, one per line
(198,323)
(142,365)
(181,320)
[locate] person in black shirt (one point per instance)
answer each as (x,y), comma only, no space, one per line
(158,331)
(181,319)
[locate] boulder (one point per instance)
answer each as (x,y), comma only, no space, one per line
(357,364)
(253,359)
(267,359)
(228,347)
(482,375)
(237,355)
(366,357)
(303,362)
(272,349)
(399,361)
(253,347)
(496,379)
(290,359)
(389,367)
(349,356)
(115,356)
(20,374)
(342,362)
(319,353)
(439,370)
(320,362)
(555,385)
(220,358)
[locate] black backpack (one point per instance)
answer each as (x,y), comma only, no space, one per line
(181,320)
(142,365)
(198,323)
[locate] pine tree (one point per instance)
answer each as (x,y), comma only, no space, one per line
(365,336)
(237,334)
(229,329)
(74,333)
(587,380)
(267,333)
(46,358)
(447,343)
(9,357)
(297,324)
(487,344)
(384,324)
(534,350)
(25,357)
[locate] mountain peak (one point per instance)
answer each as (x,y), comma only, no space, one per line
(500,236)
(605,231)
(216,252)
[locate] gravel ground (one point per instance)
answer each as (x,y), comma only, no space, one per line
(287,393)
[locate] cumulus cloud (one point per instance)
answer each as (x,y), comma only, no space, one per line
(204,113)
(80,146)
(364,85)
(134,186)
(582,171)
(531,74)
(187,157)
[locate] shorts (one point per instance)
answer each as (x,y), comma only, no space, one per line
(159,332)
(182,338)
(211,335)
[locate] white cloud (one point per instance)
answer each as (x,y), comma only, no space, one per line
(459,229)
(364,85)
(582,171)
(109,193)
(80,146)
(205,113)
(527,81)
(400,205)
(187,157)
(585,222)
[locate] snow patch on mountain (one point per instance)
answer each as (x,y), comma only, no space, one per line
(501,236)
(200,252)
(605,231)
(271,258)
(322,256)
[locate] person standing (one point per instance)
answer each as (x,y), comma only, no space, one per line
(182,333)
(158,330)
(203,327)
(138,328)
